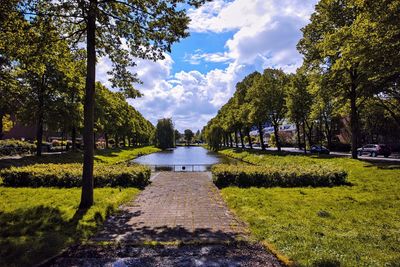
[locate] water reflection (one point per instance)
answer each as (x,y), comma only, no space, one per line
(182,159)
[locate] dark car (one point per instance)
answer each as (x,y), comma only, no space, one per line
(374,150)
(319,150)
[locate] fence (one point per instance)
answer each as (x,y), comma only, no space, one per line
(182,167)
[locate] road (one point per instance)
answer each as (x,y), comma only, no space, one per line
(395,158)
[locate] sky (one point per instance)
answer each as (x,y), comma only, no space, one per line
(228,40)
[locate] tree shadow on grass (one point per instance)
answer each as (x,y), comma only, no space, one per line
(70,157)
(29,236)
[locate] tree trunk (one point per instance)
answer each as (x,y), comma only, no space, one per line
(304,137)
(94,140)
(124,141)
(276,132)
(354,120)
(116,141)
(309,133)
(241,138)
(298,135)
(39,119)
(73,137)
(1,125)
(88,160)
(260,132)
(249,137)
(230,139)
(236,139)
(106,138)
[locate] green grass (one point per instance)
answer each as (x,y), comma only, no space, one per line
(105,156)
(37,223)
(357,225)
(113,156)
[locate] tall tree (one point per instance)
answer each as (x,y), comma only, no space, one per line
(121,29)
(188,135)
(356,44)
(299,102)
(165,134)
(268,98)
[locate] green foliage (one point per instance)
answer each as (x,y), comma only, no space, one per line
(188,135)
(271,171)
(15,147)
(348,225)
(165,134)
(214,137)
(70,175)
(37,223)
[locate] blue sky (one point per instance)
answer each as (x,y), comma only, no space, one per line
(229,40)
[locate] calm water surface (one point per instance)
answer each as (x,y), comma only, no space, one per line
(183,157)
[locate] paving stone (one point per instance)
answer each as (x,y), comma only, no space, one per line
(183,208)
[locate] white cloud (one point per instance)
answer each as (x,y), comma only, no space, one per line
(198,57)
(265,35)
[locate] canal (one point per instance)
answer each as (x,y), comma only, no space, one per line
(192,158)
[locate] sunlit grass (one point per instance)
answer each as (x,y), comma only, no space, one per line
(356,225)
(38,223)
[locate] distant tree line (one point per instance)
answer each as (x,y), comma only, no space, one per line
(351,70)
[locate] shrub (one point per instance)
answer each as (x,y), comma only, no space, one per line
(269,176)
(70,175)
(15,147)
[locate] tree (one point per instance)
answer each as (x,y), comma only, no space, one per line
(243,103)
(146,28)
(13,43)
(356,44)
(268,99)
(177,136)
(298,102)
(188,135)
(164,134)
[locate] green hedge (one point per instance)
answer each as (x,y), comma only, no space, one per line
(14,147)
(225,175)
(70,175)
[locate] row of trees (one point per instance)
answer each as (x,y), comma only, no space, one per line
(351,70)
(43,83)
(38,34)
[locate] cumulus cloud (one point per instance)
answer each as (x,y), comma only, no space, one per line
(265,34)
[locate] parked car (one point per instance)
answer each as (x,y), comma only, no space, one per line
(319,149)
(374,150)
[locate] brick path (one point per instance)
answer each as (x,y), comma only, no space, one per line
(186,216)
(177,206)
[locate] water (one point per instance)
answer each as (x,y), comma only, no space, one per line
(182,159)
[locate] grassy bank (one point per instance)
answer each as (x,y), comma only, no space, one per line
(37,223)
(357,225)
(105,156)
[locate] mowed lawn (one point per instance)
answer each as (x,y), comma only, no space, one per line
(37,223)
(357,225)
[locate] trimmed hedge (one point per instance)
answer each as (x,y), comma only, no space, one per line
(70,175)
(15,147)
(225,175)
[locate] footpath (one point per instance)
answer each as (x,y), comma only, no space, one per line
(179,220)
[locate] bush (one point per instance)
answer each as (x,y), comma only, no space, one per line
(14,147)
(70,175)
(225,175)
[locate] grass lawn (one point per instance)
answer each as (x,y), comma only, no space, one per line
(36,223)
(104,156)
(357,225)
